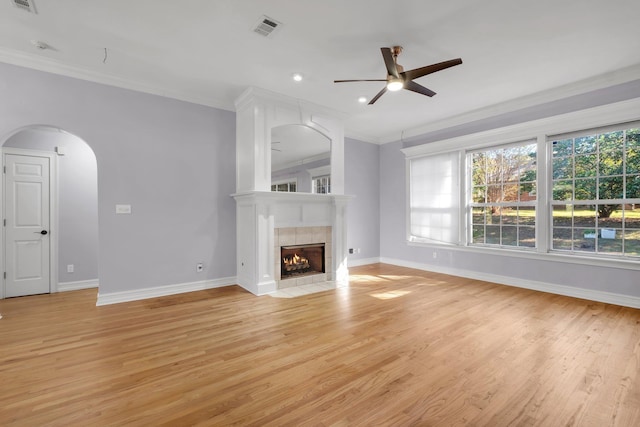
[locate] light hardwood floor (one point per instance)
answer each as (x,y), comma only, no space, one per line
(398,347)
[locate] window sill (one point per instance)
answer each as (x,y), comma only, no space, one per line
(627,264)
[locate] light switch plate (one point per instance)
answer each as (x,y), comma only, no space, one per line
(123,209)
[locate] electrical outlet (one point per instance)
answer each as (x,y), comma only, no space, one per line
(199,267)
(350,250)
(358,250)
(70,268)
(435,254)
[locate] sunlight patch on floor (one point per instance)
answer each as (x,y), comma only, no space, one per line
(434,283)
(390,294)
(355,278)
(396,277)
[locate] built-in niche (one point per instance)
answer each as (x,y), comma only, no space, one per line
(299,154)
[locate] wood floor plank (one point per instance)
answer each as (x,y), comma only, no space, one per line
(398,347)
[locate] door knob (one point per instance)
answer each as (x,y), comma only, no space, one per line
(43,232)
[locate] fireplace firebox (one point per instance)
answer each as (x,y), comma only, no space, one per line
(301,260)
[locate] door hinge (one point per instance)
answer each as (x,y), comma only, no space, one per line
(4,169)
(5,274)
(4,222)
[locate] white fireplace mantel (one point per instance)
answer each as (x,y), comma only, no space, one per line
(260,213)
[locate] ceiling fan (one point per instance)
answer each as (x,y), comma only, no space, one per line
(398,79)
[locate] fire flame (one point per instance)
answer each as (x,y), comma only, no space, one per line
(295,260)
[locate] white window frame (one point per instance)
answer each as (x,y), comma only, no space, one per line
(469,204)
(285,181)
(578,202)
(319,172)
(539,130)
(314,188)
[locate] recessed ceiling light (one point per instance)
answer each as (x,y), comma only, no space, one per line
(297,77)
(362,99)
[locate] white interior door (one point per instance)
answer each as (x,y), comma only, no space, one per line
(27,238)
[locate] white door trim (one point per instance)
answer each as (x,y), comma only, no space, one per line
(53,214)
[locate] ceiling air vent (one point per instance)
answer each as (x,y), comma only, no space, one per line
(265,26)
(25,5)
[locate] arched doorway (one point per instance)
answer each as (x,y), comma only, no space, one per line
(72,230)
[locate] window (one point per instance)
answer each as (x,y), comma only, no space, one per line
(502,204)
(595,205)
(289,186)
(434,198)
(322,184)
(534,189)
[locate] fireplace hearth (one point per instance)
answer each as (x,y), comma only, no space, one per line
(301,260)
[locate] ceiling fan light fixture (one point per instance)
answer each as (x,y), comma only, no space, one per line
(362,99)
(398,79)
(297,77)
(395,85)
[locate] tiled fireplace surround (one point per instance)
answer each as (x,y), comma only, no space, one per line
(266,220)
(301,236)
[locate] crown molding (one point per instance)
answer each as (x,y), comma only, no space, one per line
(603,115)
(55,67)
(602,81)
(362,137)
(254,93)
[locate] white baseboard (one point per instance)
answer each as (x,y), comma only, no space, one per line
(75,286)
(364,261)
(266,287)
(570,291)
(160,291)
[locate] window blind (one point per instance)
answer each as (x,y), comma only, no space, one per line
(435,198)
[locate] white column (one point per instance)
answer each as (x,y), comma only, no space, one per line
(264,254)
(339,238)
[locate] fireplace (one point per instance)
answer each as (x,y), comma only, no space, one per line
(301,260)
(266,220)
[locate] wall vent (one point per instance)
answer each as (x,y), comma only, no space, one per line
(25,5)
(265,27)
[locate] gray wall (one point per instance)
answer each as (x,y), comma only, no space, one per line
(362,177)
(77,200)
(169,159)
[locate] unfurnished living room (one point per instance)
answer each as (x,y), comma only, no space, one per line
(337,213)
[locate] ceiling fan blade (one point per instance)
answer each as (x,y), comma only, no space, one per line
(361,80)
(423,71)
(415,87)
(375,98)
(392,70)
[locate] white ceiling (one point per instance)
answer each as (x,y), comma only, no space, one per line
(205,51)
